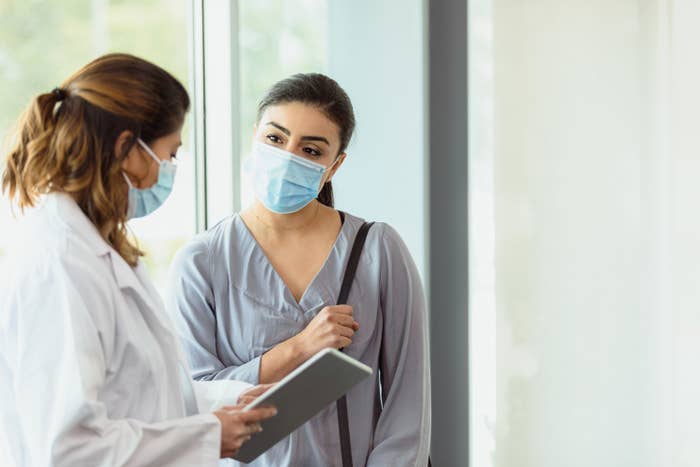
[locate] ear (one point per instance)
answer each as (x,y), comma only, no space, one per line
(336,165)
(133,163)
(125,139)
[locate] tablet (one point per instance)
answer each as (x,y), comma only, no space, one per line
(300,395)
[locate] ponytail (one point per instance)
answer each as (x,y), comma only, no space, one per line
(325,196)
(36,129)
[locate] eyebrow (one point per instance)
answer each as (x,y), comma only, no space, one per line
(303,138)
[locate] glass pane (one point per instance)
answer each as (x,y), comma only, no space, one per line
(277,39)
(43,42)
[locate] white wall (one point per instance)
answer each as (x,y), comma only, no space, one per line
(595,252)
(376,53)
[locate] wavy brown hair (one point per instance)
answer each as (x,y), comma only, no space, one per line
(65,140)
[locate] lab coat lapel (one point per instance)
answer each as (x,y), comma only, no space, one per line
(132,282)
(127,279)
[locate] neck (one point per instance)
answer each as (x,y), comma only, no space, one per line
(296,221)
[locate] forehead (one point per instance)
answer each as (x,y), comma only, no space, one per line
(301,120)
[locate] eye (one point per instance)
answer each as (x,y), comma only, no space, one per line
(274,139)
(312,151)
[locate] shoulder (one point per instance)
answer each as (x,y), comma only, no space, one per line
(59,274)
(54,250)
(206,247)
(380,234)
(193,256)
(383,245)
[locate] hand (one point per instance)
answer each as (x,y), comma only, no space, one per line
(249,395)
(237,426)
(333,327)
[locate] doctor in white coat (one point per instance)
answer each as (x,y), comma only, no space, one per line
(91,371)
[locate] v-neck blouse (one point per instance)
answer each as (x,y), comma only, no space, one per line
(314,294)
(231,306)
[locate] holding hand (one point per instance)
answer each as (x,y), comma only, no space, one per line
(249,395)
(333,327)
(237,426)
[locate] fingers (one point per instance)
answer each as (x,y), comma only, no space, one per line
(343,342)
(256,415)
(341,309)
(343,331)
(256,390)
(341,318)
(246,431)
(345,320)
(238,427)
(253,393)
(253,428)
(245,400)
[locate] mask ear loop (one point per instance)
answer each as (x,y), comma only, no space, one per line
(148,150)
(128,182)
(328,169)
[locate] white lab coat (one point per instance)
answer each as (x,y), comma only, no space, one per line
(91,371)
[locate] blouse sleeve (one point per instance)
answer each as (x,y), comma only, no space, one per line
(190,299)
(402,434)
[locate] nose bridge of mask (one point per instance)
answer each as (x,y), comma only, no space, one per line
(288,156)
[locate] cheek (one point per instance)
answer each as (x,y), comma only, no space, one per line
(153,173)
(149,174)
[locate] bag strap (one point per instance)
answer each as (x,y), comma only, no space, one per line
(342,403)
(354,260)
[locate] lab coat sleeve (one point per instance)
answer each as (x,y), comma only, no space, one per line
(64,322)
(402,433)
(191,302)
(211,395)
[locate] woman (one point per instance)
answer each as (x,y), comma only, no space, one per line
(254,296)
(92,373)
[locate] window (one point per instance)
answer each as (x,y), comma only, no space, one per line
(43,42)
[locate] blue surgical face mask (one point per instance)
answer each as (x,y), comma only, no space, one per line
(282,181)
(143,201)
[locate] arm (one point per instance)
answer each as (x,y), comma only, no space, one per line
(402,434)
(190,299)
(63,321)
(333,327)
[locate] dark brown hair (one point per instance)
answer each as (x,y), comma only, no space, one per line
(322,92)
(65,139)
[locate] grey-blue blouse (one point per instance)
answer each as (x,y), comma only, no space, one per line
(231,306)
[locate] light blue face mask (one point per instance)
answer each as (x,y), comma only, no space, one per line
(282,181)
(143,201)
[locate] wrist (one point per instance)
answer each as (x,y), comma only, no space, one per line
(297,351)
